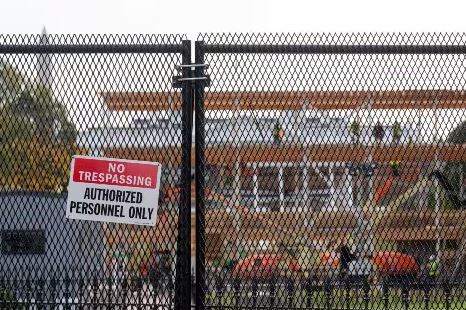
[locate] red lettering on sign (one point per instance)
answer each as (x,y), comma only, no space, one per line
(112,172)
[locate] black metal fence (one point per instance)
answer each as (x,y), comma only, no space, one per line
(109,96)
(328,170)
(328,161)
(346,295)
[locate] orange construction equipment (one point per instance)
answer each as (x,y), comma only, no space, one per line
(388,263)
(396,263)
(382,190)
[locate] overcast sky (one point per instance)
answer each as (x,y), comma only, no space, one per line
(193,16)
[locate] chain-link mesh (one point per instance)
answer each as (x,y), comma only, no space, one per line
(332,171)
(334,180)
(108,96)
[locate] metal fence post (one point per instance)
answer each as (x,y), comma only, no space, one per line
(95,288)
(183,258)
(81,293)
(200,179)
(291,292)
(405,296)
(447,289)
(125,286)
(309,292)
(366,288)
(273,292)
(40,294)
(328,295)
(219,291)
(255,290)
(347,293)
(28,291)
(426,296)
(237,292)
(110,292)
(385,293)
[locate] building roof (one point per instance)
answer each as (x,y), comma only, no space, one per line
(291,100)
(226,154)
(164,132)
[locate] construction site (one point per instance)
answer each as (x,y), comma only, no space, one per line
(306,182)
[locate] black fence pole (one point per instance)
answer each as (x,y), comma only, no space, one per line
(447,289)
(200,179)
(309,292)
(255,290)
(139,292)
(124,289)
(328,295)
(347,294)
(81,290)
(385,292)
(405,296)
(95,292)
(426,296)
(237,292)
(112,297)
(273,292)
(40,294)
(219,291)
(183,257)
(67,291)
(366,289)
(53,289)
(28,291)
(291,292)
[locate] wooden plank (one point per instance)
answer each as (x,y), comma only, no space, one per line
(342,219)
(425,217)
(256,234)
(302,234)
(291,100)
(421,233)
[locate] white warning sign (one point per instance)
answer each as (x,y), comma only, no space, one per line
(113,190)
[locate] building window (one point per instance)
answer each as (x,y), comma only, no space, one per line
(21,242)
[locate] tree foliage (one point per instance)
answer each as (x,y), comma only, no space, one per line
(36,137)
(456,171)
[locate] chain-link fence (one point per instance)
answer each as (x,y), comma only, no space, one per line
(328,170)
(108,96)
(332,171)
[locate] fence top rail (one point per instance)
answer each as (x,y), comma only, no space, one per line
(89,48)
(331,49)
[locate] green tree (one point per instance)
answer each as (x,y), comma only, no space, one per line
(36,137)
(10,81)
(455,171)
